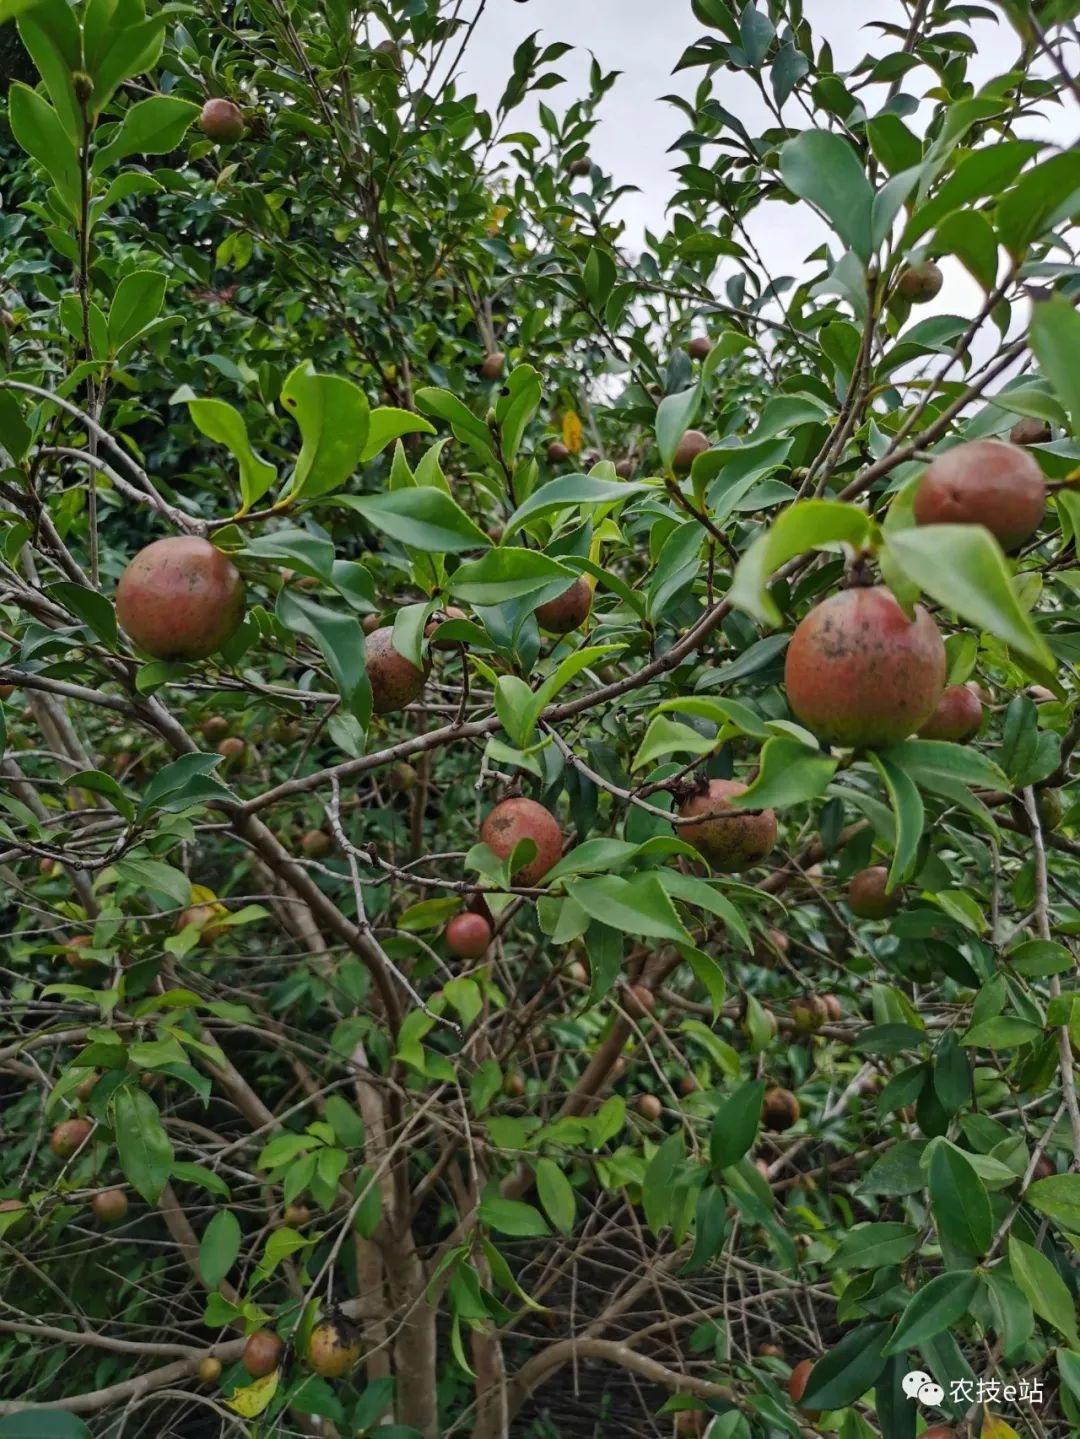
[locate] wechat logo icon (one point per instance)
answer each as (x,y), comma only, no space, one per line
(920,1386)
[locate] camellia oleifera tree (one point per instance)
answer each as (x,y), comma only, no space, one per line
(535,840)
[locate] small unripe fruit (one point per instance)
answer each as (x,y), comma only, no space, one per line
(72,955)
(83,85)
(639,1001)
(834,1010)
(984,482)
(779,1110)
(403,777)
(867,897)
(109,1206)
(493,365)
(692,444)
(768,947)
(577,972)
(957,717)
(1028,431)
(209,1370)
(762,1168)
(1049,807)
(85,1087)
(370,623)
(69,1136)
(8,320)
(769,1351)
(567,611)
(513,1086)
(557,453)
(920,283)
(389,50)
(1044,1168)
(468,935)
(395,680)
(232,749)
(221,120)
(581,166)
(6,691)
(296,1215)
(514,820)
(316,844)
(334,1348)
(214,728)
(262,1353)
(687,1086)
(699,348)
(800,1378)
(859,673)
(809,1013)
(618,1069)
(206,918)
(728,844)
(625,469)
(650,1107)
(180,599)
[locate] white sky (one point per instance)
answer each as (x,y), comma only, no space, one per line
(644,39)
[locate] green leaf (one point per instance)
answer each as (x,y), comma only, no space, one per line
(1003,1032)
(639,906)
(907,807)
(225,426)
(219,1247)
(665,736)
(821,167)
(674,416)
(38,129)
(929,759)
(1044,1287)
(960,1203)
(150,127)
(808,525)
(568,492)
(144,1149)
(467,428)
(848,1370)
(969,235)
(875,1246)
(1054,335)
(935,1308)
(1044,195)
(43,1424)
(1058,1197)
(137,301)
(790,773)
(346,1123)
(511,1216)
(556,1195)
(387,424)
(509,574)
(92,608)
(341,641)
(735,1126)
(962,567)
(424,519)
(332,414)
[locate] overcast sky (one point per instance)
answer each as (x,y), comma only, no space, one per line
(644,39)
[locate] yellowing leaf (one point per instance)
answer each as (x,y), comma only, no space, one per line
(572,433)
(250,1402)
(995,1428)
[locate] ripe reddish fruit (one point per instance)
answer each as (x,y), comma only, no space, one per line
(395,681)
(799,1379)
(557,453)
(650,1107)
(513,820)
(221,120)
(920,283)
(334,1348)
(1044,1168)
(639,1001)
(957,717)
(262,1353)
(687,1086)
(860,673)
(209,1370)
(316,844)
(1028,431)
(109,1206)
(71,952)
(567,611)
(727,844)
(699,348)
(493,365)
(69,1136)
(581,166)
(866,894)
(692,444)
(939,1431)
(984,482)
(468,935)
(834,1010)
(180,599)
(779,1110)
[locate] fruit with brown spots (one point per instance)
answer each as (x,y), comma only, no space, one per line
(728,844)
(699,348)
(493,365)
(867,897)
(468,935)
(649,1107)
(395,680)
(209,1370)
(334,1348)
(957,718)
(920,283)
(567,611)
(557,453)
(316,844)
(262,1353)
(984,482)
(779,1110)
(1028,431)
(515,820)
(69,1136)
(180,599)
(221,120)
(859,673)
(109,1206)
(809,1013)
(692,444)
